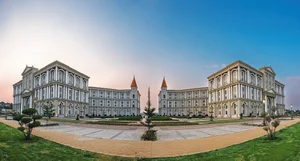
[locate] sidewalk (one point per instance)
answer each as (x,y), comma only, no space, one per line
(147,148)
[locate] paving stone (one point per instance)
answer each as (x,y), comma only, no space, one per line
(214,131)
(85,131)
(191,134)
(105,134)
(168,135)
(129,135)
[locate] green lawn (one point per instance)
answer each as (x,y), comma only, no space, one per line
(285,148)
(13,147)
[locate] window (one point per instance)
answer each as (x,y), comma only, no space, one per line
(234,76)
(60,91)
(51,76)
(243,76)
(133,96)
(234,91)
(218,82)
(84,84)
(37,82)
(70,94)
(164,96)
(77,96)
(252,93)
(252,79)
(224,79)
(61,76)
(51,91)
(71,79)
(94,93)
(77,82)
(43,93)
(219,95)
(84,96)
(243,92)
(43,78)
(225,94)
(234,108)
(93,102)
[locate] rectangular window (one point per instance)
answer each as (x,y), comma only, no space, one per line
(70,94)
(60,91)
(93,102)
(51,91)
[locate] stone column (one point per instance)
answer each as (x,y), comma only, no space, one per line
(30,101)
(248,76)
(47,76)
(56,73)
(67,77)
(238,73)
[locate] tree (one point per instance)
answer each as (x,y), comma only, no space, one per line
(149,112)
(27,121)
(271,128)
(48,110)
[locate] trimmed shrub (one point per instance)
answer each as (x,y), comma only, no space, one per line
(149,135)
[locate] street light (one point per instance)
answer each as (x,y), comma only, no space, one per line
(291,112)
(6,106)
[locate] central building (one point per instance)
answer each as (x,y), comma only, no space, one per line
(114,102)
(182,102)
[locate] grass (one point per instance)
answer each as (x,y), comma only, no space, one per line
(285,148)
(14,147)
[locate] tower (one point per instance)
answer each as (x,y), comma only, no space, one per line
(135,97)
(163,98)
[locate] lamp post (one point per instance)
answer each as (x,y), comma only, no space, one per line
(291,112)
(264,102)
(34,103)
(6,106)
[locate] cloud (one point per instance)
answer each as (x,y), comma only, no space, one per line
(214,66)
(292,94)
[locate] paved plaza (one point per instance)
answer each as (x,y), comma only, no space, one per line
(134,133)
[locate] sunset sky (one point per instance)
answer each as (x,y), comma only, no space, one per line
(183,40)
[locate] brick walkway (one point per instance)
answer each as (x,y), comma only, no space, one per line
(131,148)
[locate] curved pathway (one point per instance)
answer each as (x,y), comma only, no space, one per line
(131,148)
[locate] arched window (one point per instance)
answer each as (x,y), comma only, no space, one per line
(234,109)
(43,78)
(77,82)
(71,79)
(61,76)
(234,76)
(243,108)
(226,109)
(51,75)
(219,110)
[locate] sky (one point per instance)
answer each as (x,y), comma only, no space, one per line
(183,40)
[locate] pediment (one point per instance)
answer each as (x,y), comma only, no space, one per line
(26,69)
(25,91)
(271,91)
(270,70)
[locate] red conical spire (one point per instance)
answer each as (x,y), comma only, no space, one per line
(133,83)
(164,83)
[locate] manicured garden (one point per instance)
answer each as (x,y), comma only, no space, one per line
(14,147)
(285,147)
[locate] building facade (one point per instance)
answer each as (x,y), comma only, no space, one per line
(57,84)
(67,90)
(114,102)
(182,102)
(241,89)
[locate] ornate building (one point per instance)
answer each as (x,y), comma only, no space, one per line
(114,102)
(67,90)
(182,102)
(240,88)
(57,84)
